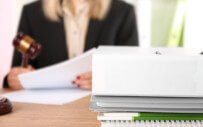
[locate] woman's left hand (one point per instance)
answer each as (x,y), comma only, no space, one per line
(84,81)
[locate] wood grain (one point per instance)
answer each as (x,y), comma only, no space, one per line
(75,114)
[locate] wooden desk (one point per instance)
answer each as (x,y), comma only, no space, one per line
(75,114)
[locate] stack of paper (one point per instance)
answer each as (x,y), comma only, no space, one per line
(157,80)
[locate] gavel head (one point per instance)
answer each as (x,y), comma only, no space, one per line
(26,45)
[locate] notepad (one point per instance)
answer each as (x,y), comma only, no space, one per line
(60,75)
(134,120)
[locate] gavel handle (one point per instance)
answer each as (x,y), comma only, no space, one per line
(25,60)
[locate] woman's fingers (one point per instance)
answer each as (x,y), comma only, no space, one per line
(14,83)
(87,75)
(83,82)
(88,87)
(13,80)
(30,68)
(20,70)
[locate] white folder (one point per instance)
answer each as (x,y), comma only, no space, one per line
(133,71)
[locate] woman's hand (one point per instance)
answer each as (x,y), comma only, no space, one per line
(13,80)
(84,81)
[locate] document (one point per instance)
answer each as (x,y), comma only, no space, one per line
(60,75)
(47,96)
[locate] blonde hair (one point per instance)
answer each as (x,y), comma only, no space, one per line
(53,8)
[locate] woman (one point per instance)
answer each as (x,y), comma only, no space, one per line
(67,28)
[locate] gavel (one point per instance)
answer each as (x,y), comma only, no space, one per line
(5,105)
(29,48)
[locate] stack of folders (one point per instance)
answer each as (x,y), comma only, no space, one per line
(155,87)
(155,111)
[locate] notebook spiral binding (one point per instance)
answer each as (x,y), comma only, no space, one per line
(152,123)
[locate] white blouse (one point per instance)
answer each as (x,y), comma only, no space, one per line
(76,28)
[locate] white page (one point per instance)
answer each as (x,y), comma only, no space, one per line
(47,96)
(60,75)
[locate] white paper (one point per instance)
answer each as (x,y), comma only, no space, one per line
(60,75)
(47,96)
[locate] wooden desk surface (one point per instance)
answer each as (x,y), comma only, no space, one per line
(75,114)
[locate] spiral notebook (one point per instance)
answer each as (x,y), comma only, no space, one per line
(152,123)
(126,120)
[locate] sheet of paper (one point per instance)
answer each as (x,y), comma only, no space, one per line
(60,75)
(47,96)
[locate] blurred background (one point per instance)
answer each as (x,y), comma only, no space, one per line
(170,23)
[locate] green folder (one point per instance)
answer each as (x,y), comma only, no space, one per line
(149,114)
(167,118)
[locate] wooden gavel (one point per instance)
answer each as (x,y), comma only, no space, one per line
(5,105)
(29,48)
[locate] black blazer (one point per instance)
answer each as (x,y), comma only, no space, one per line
(117,28)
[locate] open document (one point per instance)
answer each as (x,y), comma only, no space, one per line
(52,85)
(60,75)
